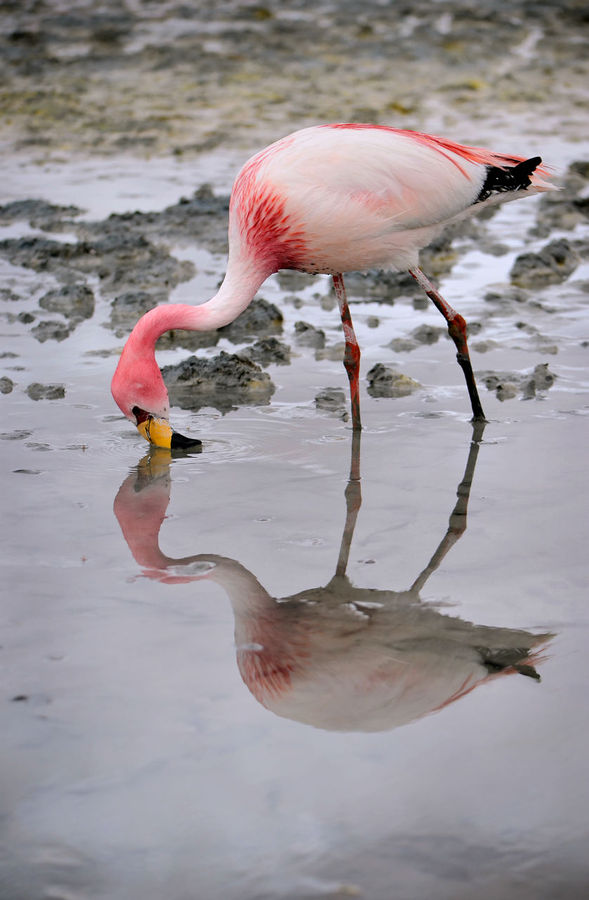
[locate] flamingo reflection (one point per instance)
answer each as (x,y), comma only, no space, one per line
(337,657)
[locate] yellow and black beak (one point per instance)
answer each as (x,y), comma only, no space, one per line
(159,433)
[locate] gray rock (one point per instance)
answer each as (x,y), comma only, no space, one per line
(75,301)
(259,319)
(427,334)
(39,213)
(507,385)
(226,381)
(51,330)
(552,265)
(307,335)
(379,286)
(268,351)
(37,391)
(383,381)
(568,207)
(332,400)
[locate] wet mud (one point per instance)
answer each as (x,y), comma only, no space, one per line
(131,260)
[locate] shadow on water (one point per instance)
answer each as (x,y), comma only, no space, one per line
(337,657)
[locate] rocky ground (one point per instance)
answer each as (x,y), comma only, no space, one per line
(129,257)
(186,79)
(151,77)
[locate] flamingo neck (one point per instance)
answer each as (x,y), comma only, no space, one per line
(235,293)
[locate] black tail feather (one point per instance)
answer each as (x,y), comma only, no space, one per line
(515,178)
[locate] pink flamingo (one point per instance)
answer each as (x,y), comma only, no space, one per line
(330,199)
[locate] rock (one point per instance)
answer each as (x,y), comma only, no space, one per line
(51,330)
(201,218)
(259,319)
(509,384)
(334,352)
(75,301)
(39,213)
(223,382)
(568,207)
(332,400)
(506,294)
(6,385)
(268,351)
(121,260)
(307,335)
(292,280)
(427,334)
(37,391)
(423,334)
(379,286)
(542,377)
(403,345)
(386,382)
(552,265)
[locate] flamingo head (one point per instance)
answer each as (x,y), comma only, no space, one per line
(140,393)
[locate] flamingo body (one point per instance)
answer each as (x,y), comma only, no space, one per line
(332,199)
(335,199)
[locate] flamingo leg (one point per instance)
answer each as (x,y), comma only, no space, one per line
(457,331)
(352,352)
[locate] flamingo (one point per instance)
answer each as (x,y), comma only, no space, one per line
(330,199)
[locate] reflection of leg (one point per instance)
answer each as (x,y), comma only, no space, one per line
(353,496)
(352,353)
(457,331)
(457,522)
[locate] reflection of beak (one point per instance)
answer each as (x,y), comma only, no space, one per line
(159,433)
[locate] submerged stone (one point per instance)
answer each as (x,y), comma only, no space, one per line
(307,335)
(568,207)
(51,330)
(427,334)
(37,391)
(507,385)
(552,265)
(260,318)
(383,381)
(379,285)
(332,400)
(268,351)
(75,301)
(223,382)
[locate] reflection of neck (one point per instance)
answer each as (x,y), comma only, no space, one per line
(140,507)
(141,503)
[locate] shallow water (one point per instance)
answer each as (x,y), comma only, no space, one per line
(136,760)
(242,674)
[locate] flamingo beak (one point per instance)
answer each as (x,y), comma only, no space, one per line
(159,432)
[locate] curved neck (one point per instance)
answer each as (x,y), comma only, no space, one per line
(238,289)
